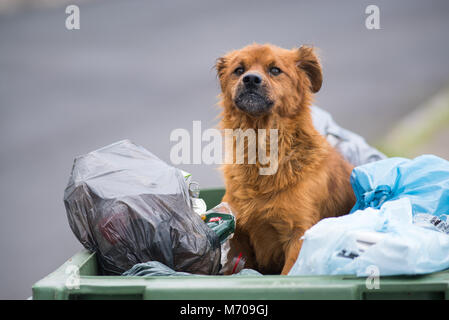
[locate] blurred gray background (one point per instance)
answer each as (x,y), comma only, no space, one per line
(139,69)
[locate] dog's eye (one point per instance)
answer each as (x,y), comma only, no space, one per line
(275,71)
(239,71)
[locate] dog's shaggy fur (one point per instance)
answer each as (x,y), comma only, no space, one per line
(312,180)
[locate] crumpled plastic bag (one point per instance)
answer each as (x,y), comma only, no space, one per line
(131,207)
(383,238)
(424,180)
(154,268)
(221,219)
(351,146)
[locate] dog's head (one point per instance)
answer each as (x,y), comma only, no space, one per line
(260,80)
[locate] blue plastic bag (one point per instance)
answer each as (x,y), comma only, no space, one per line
(383,239)
(424,180)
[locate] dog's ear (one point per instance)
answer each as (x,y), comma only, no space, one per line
(307,60)
(220,66)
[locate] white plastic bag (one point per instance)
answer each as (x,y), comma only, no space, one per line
(353,147)
(385,238)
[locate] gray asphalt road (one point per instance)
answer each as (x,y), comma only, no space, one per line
(139,69)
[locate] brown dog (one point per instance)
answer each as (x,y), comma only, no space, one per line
(267,87)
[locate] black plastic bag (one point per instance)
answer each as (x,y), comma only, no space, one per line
(131,207)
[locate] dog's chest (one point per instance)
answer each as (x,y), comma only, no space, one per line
(260,217)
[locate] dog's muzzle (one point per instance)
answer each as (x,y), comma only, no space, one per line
(251,96)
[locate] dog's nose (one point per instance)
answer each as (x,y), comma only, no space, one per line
(252,80)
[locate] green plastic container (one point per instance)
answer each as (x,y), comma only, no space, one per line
(78,279)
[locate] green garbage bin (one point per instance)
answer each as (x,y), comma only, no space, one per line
(78,279)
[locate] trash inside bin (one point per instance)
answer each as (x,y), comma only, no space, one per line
(131,207)
(351,146)
(92,285)
(424,180)
(154,268)
(384,240)
(398,224)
